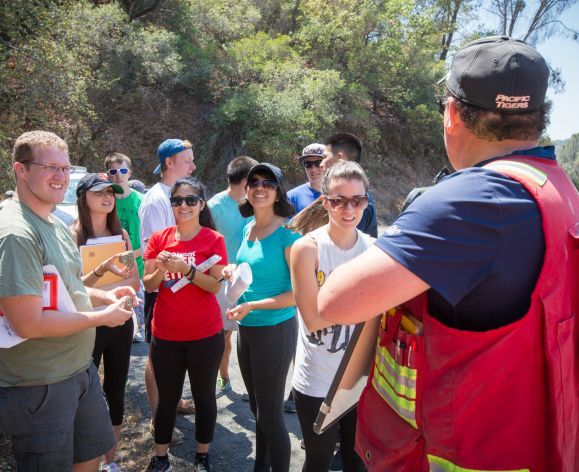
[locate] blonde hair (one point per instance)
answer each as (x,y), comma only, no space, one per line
(25,143)
(315,215)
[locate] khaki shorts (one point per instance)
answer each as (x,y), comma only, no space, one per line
(57,425)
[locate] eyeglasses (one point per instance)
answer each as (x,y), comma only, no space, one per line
(267,184)
(123,171)
(442,101)
(66,170)
(310,164)
(343,202)
(190,201)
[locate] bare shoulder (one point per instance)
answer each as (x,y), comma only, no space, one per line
(305,245)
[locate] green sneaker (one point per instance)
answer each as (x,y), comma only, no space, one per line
(222,387)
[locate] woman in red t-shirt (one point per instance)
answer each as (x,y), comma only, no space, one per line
(187,326)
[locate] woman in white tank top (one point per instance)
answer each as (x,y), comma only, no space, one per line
(320,347)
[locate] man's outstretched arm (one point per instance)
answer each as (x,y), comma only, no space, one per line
(367,285)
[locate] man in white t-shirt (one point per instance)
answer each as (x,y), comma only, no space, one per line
(175,161)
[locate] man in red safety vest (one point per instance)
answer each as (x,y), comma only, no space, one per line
(478,279)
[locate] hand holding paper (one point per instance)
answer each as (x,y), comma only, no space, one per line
(238,282)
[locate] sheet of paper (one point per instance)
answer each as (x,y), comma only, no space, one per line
(104,240)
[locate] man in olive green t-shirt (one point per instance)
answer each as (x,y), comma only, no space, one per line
(66,426)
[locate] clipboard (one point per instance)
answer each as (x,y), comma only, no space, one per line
(92,255)
(55,296)
(351,376)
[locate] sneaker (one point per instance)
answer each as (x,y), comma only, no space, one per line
(289,406)
(337,465)
(157,466)
(138,336)
(176,437)
(222,387)
(202,463)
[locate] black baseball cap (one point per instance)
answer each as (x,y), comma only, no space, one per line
(267,168)
(96,183)
(499,74)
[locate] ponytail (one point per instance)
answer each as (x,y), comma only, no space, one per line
(312,217)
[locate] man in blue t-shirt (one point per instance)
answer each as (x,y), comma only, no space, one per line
(348,146)
(302,195)
(474,240)
(474,243)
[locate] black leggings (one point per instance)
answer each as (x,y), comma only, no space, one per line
(150,300)
(320,447)
(264,355)
(114,346)
(200,358)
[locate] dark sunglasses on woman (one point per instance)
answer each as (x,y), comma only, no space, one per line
(190,201)
(123,171)
(310,164)
(342,202)
(263,183)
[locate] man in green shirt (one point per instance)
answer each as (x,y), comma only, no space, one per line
(66,426)
(119,172)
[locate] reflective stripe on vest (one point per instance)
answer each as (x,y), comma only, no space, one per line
(519,168)
(396,384)
(438,464)
(401,378)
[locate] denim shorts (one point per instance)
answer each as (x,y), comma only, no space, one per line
(57,425)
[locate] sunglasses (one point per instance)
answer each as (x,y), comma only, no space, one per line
(267,184)
(310,164)
(359,201)
(123,171)
(442,101)
(190,201)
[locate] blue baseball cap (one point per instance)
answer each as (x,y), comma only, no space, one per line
(267,168)
(169,148)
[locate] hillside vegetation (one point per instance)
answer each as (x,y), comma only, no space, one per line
(256,77)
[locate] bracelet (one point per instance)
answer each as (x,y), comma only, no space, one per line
(188,273)
(191,274)
(95,273)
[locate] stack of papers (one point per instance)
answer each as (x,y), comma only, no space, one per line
(98,250)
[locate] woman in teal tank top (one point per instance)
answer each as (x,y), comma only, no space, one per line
(266,312)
